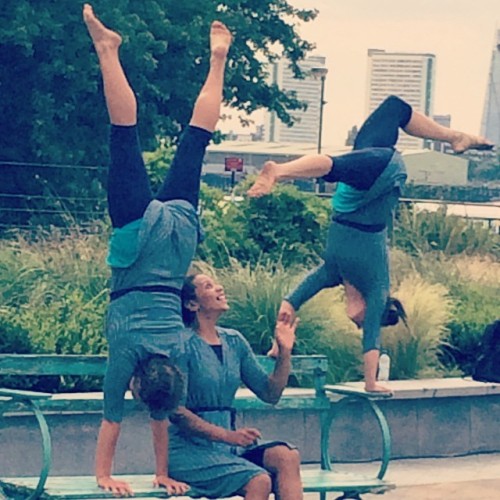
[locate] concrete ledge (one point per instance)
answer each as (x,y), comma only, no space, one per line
(435,388)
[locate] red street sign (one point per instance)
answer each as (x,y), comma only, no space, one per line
(233,164)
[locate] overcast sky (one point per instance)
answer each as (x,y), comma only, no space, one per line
(461,34)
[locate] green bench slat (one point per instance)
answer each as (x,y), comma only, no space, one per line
(18,394)
(90,365)
(84,487)
(292,399)
(317,480)
(52,364)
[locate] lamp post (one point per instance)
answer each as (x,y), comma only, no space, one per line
(320,72)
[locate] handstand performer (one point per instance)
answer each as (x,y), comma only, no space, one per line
(369,182)
(154,240)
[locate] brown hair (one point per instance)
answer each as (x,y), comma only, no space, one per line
(188,293)
(160,383)
(394,311)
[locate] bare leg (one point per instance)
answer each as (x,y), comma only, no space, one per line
(120,98)
(422,126)
(258,488)
(370,368)
(285,464)
(206,110)
(309,166)
(183,178)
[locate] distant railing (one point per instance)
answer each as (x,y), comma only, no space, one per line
(42,194)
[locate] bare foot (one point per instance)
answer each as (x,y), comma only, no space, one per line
(464,142)
(286,312)
(380,388)
(267,178)
(220,40)
(102,37)
(274,351)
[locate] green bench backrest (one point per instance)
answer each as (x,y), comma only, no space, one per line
(315,366)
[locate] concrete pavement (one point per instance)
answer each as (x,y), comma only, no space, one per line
(473,477)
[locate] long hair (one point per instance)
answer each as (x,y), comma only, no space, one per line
(188,293)
(394,311)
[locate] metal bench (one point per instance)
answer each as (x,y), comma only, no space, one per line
(317,396)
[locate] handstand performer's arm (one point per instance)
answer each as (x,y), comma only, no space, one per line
(159,430)
(106,446)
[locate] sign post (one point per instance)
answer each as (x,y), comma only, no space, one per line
(233,164)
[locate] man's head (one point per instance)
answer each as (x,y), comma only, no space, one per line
(157,383)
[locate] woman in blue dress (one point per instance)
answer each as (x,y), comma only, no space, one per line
(153,242)
(206,450)
(369,181)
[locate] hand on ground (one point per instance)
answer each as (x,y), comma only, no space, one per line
(117,488)
(172,486)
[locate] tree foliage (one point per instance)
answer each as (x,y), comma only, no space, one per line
(52,106)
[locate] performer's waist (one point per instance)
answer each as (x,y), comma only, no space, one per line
(116,294)
(367,228)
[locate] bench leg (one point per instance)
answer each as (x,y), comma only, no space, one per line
(46,447)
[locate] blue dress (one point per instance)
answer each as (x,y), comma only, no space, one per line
(139,324)
(215,469)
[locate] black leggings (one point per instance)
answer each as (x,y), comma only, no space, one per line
(374,146)
(129,190)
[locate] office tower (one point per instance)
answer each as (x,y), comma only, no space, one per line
(490,124)
(407,75)
(306,126)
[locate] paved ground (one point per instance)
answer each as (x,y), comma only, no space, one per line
(474,477)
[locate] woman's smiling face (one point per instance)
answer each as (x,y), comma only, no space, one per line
(209,294)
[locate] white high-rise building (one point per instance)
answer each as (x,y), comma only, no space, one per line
(306,126)
(407,75)
(490,124)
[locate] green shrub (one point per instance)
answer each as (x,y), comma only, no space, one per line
(419,232)
(287,227)
(474,286)
(55,291)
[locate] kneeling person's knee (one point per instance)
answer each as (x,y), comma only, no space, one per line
(281,458)
(261,485)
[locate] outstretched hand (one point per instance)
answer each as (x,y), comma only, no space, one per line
(284,334)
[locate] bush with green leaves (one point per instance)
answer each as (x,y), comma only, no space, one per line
(54,292)
(416,232)
(288,227)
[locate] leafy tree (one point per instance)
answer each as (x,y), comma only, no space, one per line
(52,106)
